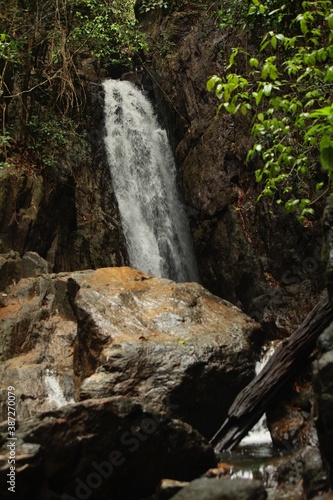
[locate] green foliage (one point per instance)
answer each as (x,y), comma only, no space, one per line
(5,143)
(40,53)
(9,48)
(52,138)
(231,13)
(109,29)
(287,89)
(148,5)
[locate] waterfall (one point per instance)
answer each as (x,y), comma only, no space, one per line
(260,434)
(54,391)
(143,173)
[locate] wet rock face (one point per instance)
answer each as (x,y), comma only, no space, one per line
(244,251)
(296,475)
(126,333)
(37,332)
(112,447)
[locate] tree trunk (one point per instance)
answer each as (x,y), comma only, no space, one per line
(253,400)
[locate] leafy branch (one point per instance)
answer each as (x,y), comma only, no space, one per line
(288,93)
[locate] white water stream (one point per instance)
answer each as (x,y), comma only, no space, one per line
(143,173)
(54,391)
(260,434)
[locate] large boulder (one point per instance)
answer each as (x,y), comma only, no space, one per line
(160,341)
(117,331)
(111,448)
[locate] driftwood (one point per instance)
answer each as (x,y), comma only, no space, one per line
(252,401)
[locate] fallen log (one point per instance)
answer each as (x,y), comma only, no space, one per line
(252,402)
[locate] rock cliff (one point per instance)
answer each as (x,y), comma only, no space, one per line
(261,260)
(68,213)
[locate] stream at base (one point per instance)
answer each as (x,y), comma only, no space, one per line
(258,462)
(256,457)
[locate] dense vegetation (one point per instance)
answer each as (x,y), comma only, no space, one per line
(284,80)
(286,85)
(42,93)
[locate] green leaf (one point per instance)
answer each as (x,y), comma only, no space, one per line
(326,111)
(326,153)
(254,62)
(290,205)
(219,90)
(243,109)
(329,74)
(213,80)
(267,88)
(232,57)
(230,107)
(258,175)
(280,37)
(258,96)
(329,20)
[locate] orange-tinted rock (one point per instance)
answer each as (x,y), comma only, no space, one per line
(133,335)
(159,341)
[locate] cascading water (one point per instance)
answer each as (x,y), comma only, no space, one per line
(260,434)
(253,458)
(54,391)
(143,173)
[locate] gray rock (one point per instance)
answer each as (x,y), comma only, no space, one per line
(118,332)
(325,341)
(222,489)
(323,386)
(323,366)
(37,332)
(314,474)
(33,264)
(153,339)
(10,269)
(13,267)
(168,488)
(300,474)
(111,448)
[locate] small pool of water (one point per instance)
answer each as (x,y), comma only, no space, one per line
(257,461)
(256,457)
(249,458)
